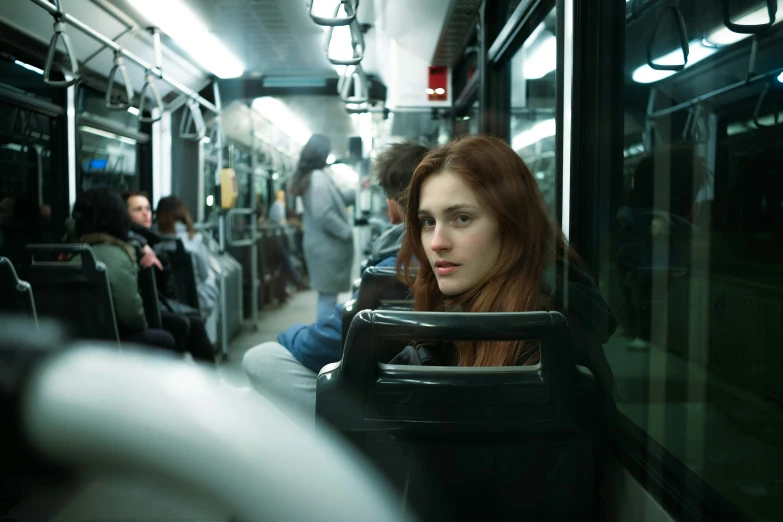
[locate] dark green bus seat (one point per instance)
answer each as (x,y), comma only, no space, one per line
(466,444)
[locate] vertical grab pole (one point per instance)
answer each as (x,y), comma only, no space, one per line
(223,300)
(254,286)
(221,227)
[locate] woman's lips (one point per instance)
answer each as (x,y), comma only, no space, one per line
(445,268)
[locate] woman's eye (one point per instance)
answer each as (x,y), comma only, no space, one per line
(428,222)
(463,219)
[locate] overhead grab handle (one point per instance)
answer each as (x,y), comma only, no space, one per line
(149,86)
(772,9)
(760,104)
(349,6)
(119,68)
(354,86)
(356,42)
(673,7)
(192,125)
(60,34)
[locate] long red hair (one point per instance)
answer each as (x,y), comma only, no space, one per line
(530,240)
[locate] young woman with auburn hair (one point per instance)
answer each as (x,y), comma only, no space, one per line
(479,238)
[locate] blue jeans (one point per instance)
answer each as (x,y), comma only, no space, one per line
(325,306)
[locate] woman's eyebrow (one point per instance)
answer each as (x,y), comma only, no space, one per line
(450,208)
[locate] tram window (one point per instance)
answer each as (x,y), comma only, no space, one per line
(92,103)
(533,86)
(106,159)
(693,263)
(28,176)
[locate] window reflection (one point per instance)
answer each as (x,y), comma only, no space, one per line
(533,84)
(694,257)
(106,159)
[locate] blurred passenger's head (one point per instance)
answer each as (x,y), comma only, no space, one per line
(139,208)
(480,230)
(313,157)
(394,169)
(172,210)
(101,210)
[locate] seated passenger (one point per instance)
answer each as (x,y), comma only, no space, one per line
(174,221)
(479,228)
(287,370)
(100,220)
(183,321)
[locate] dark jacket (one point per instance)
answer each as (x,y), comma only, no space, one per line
(320,343)
(122,272)
(590,319)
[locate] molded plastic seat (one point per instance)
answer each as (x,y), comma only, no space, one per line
(508,443)
(184,275)
(148,290)
(16,296)
(379,289)
(77,294)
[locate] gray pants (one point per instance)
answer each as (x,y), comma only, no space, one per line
(278,376)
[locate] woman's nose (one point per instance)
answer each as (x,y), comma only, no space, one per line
(440,240)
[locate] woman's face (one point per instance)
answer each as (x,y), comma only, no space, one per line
(460,236)
(139,211)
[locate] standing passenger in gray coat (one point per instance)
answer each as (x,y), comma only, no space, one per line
(328,234)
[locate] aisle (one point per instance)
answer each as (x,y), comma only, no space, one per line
(272,320)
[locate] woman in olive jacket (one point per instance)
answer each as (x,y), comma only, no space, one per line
(101,221)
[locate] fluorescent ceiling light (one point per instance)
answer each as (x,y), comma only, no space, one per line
(104,134)
(184,27)
(133,110)
(541,54)
(780,77)
(542,129)
(210,200)
(29,67)
(697,52)
(724,36)
(281,116)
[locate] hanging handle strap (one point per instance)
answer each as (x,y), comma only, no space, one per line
(357,45)
(354,86)
(759,105)
(350,6)
(192,118)
(149,85)
(119,68)
(673,7)
(60,34)
(772,9)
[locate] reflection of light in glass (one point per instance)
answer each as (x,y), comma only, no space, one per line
(275,176)
(281,116)
(780,77)
(330,159)
(133,110)
(210,200)
(430,91)
(104,134)
(725,36)
(29,67)
(697,52)
(541,57)
(184,27)
(440,91)
(542,129)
